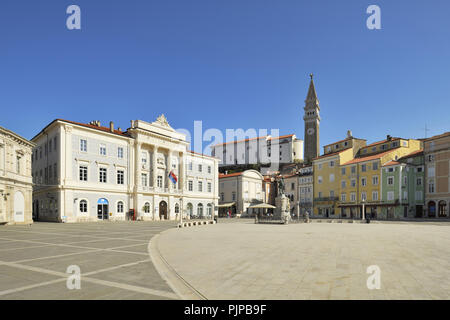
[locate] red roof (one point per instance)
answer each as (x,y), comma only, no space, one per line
(439,136)
(413,154)
(236,174)
(382,141)
(331,154)
(257,138)
(391,163)
(368,158)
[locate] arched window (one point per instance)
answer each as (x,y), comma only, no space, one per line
(177,208)
(83,206)
(209,210)
(147,207)
(200,210)
(431,209)
(120,207)
(442,209)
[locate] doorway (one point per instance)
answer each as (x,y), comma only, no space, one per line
(102,209)
(163,210)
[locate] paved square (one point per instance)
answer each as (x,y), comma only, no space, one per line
(113,258)
(244,260)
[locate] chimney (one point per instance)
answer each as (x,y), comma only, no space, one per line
(389,138)
(349,134)
(111,126)
(119,129)
(226,171)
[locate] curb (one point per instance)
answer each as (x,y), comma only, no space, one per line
(180,286)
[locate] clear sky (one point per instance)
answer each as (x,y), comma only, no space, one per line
(232,64)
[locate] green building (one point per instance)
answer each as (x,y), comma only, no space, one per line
(402,187)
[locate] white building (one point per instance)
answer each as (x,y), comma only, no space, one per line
(261,150)
(86,172)
(240,190)
(15,178)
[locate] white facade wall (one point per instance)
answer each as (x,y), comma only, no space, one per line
(72,196)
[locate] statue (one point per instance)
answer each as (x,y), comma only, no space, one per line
(281,186)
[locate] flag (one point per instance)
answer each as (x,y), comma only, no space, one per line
(173,177)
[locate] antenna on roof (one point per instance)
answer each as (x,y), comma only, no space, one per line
(426,130)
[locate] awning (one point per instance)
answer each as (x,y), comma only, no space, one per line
(226,205)
(262,206)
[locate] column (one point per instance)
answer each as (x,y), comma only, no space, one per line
(154,166)
(169,168)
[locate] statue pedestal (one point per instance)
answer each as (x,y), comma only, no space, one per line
(281,211)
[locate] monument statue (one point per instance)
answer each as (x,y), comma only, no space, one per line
(281,186)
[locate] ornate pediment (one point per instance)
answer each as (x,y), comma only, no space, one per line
(162,120)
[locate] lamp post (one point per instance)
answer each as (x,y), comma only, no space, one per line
(363,201)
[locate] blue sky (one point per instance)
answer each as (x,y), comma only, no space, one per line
(232,64)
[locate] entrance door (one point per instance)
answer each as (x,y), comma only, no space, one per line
(102,211)
(419,211)
(163,210)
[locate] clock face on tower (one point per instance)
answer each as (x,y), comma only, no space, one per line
(310,131)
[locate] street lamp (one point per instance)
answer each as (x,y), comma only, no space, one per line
(363,201)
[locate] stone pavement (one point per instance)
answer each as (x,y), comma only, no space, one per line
(243,260)
(113,258)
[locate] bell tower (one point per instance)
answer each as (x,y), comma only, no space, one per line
(312,121)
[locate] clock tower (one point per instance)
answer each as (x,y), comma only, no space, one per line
(312,121)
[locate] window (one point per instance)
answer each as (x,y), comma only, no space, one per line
(354,169)
(363,182)
(55,173)
(331,177)
(190,165)
(144,179)
(233,196)
(390,181)
(353,196)
(103,150)
(390,169)
(320,194)
(209,187)
(120,176)
(343,197)
(159,181)
(83,173)
(405,180)
(419,195)
(200,210)
(353,183)
(144,158)
(419,181)
(102,176)
(147,207)
(83,145)
(54,144)
(190,185)
(343,183)
(430,158)
(390,195)
(120,152)
(222,197)
(431,171)
(331,164)
(209,169)
(363,167)
(363,196)
(200,186)
(83,206)
(320,166)
(375,195)
(209,210)
(343,171)
(319,179)
(431,186)
(375,166)
(331,193)
(120,207)
(375,180)
(200,168)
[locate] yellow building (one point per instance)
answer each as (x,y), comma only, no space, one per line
(360,178)
(327,174)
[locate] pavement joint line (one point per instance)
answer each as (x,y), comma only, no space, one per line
(57,256)
(91,236)
(11,249)
(89,248)
(178,284)
(92,280)
(37,285)
(116,267)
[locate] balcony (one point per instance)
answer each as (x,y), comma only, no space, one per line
(323,199)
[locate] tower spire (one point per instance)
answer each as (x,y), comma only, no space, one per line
(312,95)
